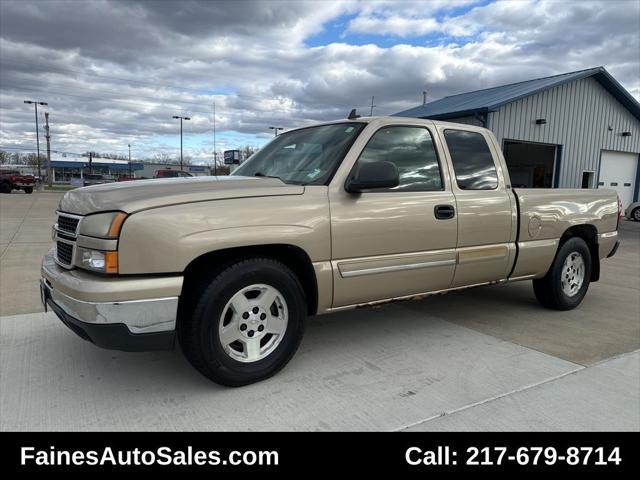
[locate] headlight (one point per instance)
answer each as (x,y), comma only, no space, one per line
(102,225)
(97,260)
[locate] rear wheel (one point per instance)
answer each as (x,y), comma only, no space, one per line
(567,281)
(5,187)
(247,323)
(636,214)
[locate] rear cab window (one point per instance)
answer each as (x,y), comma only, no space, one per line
(472,160)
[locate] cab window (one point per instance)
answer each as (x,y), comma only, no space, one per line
(472,160)
(411,149)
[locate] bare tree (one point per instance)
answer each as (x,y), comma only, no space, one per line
(30,159)
(162,157)
(5,157)
(247,151)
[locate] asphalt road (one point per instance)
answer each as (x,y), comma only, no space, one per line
(483,359)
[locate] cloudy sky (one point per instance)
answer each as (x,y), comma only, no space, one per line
(115,72)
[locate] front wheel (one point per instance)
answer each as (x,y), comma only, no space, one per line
(247,323)
(28,189)
(567,281)
(636,214)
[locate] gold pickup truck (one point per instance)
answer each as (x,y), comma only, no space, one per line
(325,218)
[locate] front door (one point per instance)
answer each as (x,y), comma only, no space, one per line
(400,241)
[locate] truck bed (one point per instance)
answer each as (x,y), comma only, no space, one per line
(545,214)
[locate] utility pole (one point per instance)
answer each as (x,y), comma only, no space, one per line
(90,162)
(130,175)
(36,103)
(372,105)
(181,119)
(48,137)
(424,97)
(275,130)
(215,152)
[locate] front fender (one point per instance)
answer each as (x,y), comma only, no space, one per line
(167,239)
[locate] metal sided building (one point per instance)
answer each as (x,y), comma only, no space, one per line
(574,130)
(66,167)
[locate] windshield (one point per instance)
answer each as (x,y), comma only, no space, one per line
(308,156)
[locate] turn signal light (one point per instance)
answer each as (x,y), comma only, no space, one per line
(116,224)
(111,262)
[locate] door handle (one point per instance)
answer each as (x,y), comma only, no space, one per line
(444,212)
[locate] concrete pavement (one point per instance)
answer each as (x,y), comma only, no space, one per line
(365,370)
(25,236)
(603,397)
(487,358)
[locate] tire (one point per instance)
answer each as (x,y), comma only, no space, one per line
(635,215)
(567,281)
(28,189)
(5,187)
(233,312)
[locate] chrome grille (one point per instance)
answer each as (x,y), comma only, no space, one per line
(64,253)
(66,231)
(67,224)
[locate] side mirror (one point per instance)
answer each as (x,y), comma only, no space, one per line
(371,175)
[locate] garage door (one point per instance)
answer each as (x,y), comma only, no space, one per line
(618,172)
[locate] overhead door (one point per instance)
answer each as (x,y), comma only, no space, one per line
(618,172)
(531,165)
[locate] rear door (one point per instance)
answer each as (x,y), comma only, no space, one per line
(392,243)
(486,215)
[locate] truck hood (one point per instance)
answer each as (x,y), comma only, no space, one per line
(136,195)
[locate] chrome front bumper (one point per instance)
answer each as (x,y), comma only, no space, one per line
(139,316)
(134,323)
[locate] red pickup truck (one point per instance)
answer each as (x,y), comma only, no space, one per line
(13,180)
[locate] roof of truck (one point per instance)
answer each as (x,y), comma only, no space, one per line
(391,120)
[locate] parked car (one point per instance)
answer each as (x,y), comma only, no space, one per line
(97,179)
(325,218)
(168,173)
(14,180)
(632,212)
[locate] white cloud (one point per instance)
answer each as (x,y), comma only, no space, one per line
(114,73)
(404,19)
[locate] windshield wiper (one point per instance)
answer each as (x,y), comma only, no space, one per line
(260,174)
(288,182)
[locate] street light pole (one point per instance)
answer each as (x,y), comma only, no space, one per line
(215,151)
(275,130)
(48,137)
(36,103)
(130,175)
(181,119)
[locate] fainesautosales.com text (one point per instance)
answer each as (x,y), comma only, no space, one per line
(141,457)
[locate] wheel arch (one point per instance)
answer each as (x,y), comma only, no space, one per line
(209,264)
(589,234)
